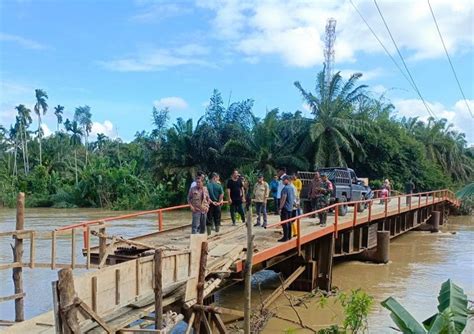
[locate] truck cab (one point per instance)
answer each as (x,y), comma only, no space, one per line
(347,186)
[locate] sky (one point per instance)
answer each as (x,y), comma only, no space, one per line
(124,57)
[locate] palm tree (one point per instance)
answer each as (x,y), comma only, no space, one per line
(333,129)
(24,120)
(76,134)
(83,116)
(40,107)
(58,112)
(13,136)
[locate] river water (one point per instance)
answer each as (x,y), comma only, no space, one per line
(420,262)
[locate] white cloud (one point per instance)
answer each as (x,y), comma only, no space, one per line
(46,131)
(155,12)
(457,114)
(106,128)
(294,30)
(24,42)
(159,59)
(171,102)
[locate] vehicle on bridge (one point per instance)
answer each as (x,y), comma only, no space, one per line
(347,187)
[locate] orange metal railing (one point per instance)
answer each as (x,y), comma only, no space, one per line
(445,194)
(437,196)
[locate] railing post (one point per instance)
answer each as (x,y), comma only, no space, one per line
(354,217)
(426,195)
(336,217)
(419,201)
(160,220)
(370,211)
(409,201)
(386,207)
(399,200)
(85,241)
(434,196)
(298,236)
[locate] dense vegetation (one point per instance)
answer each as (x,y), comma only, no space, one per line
(348,127)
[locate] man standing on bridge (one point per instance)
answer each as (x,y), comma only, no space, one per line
(198,199)
(216,195)
(325,195)
(409,187)
(261,191)
(236,196)
(287,200)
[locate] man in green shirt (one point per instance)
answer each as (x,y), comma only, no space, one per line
(216,194)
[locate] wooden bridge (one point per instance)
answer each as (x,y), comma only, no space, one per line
(173,270)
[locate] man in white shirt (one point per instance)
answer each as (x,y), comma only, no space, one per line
(281,174)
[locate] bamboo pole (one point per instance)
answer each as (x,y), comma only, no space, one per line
(158,289)
(248,273)
(17,257)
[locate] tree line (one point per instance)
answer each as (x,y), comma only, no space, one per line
(347,127)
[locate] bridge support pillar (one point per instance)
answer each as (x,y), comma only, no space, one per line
(435,221)
(380,253)
(324,264)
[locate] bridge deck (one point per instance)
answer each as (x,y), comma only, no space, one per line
(266,245)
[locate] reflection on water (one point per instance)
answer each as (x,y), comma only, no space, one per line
(420,262)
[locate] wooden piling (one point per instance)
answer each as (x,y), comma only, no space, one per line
(18,257)
(200,285)
(158,289)
(383,247)
(102,244)
(67,310)
(248,273)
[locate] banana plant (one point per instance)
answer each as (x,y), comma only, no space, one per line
(451,318)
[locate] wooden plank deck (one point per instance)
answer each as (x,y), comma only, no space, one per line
(266,245)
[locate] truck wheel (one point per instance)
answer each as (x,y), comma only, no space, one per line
(342,209)
(361,206)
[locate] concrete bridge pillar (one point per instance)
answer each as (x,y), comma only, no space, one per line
(380,253)
(435,221)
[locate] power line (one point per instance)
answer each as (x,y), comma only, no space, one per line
(449,58)
(403,61)
(381,44)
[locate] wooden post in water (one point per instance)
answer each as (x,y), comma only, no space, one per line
(18,257)
(248,273)
(158,289)
(102,244)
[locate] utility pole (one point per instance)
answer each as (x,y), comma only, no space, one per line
(329,52)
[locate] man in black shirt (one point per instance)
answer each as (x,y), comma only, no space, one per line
(235,194)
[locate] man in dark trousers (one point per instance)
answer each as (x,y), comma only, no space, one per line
(287,200)
(216,194)
(236,196)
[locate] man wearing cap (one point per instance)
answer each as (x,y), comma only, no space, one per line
(261,191)
(216,195)
(287,200)
(325,192)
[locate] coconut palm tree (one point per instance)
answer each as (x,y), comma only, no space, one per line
(24,120)
(41,107)
(333,128)
(75,140)
(58,112)
(83,116)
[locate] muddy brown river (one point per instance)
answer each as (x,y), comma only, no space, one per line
(419,263)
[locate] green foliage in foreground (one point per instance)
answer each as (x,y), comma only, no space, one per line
(452,313)
(347,127)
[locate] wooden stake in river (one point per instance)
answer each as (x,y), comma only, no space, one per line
(18,258)
(248,273)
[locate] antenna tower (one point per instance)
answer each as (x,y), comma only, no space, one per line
(329,53)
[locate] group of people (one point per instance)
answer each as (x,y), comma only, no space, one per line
(206,200)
